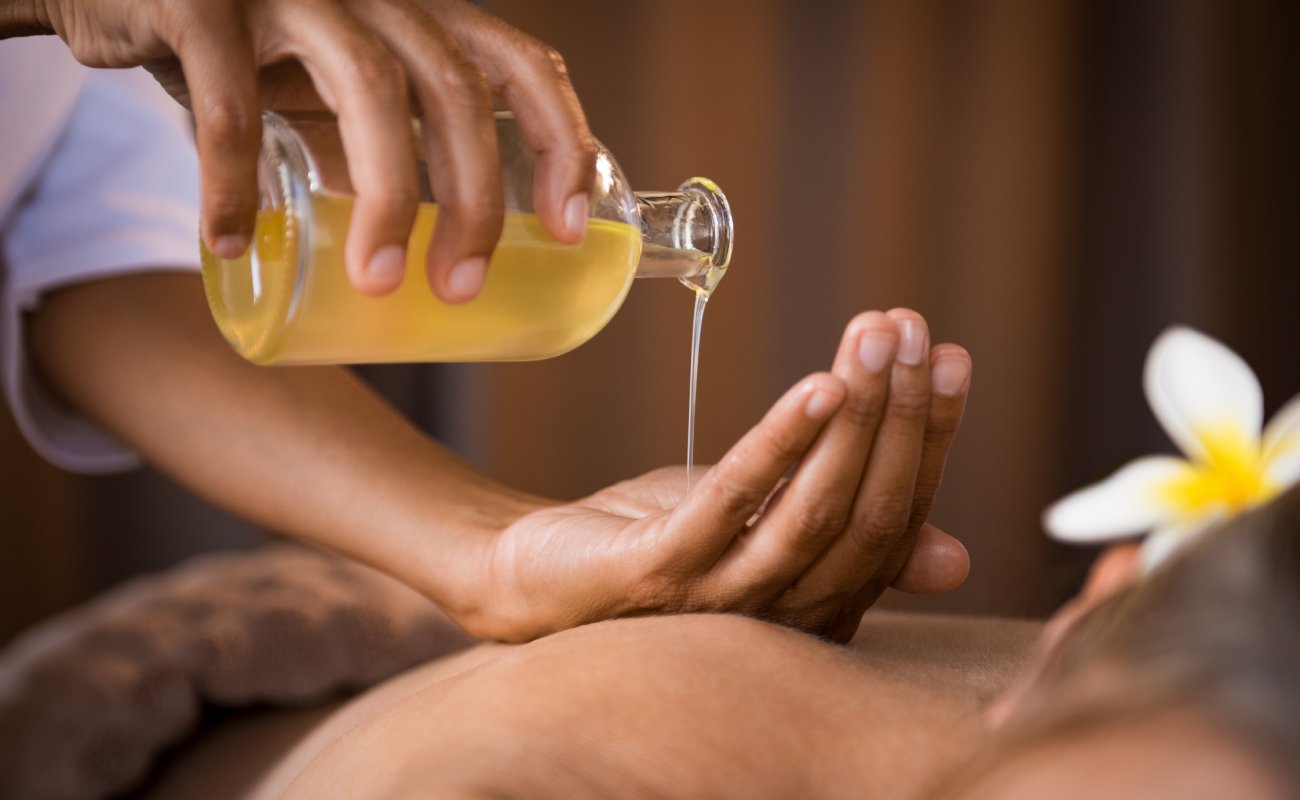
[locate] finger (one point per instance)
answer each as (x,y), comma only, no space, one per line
(364,85)
(882,508)
(717,509)
(460,142)
(816,503)
(925,560)
(532,78)
(938,563)
(221,77)
(950,375)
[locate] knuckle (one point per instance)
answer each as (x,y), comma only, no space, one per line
(474,208)
(393,202)
(890,510)
(178,21)
(938,433)
(223,208)
(862,412)
(735,497)
(476,228)
(874,539)
(927,486)
(823,516)
(773,444)
(477,84)
(226,123)
(910,406)
(940,429)
(555,60)
(175,12)
(378,71)
(542,57)
(463,83)
(582,152)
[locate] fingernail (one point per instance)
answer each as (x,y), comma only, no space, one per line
(821,405)
(949,376)
(387,263)
(575,214)
(230,245)
(875,348)
(465,280)
(912,342)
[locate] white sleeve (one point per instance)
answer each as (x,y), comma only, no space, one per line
(117,193)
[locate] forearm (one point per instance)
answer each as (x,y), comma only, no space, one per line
(309,451)
(23,18)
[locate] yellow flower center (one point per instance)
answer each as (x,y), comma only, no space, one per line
(1229,476)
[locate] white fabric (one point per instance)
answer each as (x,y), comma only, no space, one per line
(98,177)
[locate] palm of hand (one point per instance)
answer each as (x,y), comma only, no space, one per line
(595,558)
(814,552)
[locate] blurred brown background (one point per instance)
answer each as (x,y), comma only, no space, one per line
(1051,182)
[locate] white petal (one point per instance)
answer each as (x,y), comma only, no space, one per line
(1283,470)
(1128,502)
(1195,385)
(1283,431)
(1163,543)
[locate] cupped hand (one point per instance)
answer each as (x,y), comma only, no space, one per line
(867,443)
(372,62)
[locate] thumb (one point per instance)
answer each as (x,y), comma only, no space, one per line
(938,563)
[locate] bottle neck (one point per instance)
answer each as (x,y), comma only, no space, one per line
(686,234)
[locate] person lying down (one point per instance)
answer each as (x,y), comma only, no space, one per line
(1180,683)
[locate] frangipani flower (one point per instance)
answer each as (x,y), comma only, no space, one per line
(1210,403)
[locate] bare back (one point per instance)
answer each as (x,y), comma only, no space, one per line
(702,706)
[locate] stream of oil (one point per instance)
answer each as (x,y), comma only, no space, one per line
(704,278)
(701,299)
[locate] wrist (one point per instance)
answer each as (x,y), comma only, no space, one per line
(465,578)
(444,543)
(23,18)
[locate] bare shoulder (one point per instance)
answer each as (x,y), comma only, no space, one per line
(979,655)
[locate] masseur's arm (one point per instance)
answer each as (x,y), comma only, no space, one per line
(309,451)
(314,453)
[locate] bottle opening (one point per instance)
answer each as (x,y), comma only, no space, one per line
(688,234)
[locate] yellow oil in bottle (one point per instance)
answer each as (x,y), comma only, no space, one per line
(541,298)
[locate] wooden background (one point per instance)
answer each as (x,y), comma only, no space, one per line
(1051,182)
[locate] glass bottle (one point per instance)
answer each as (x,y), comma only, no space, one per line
(288,300)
